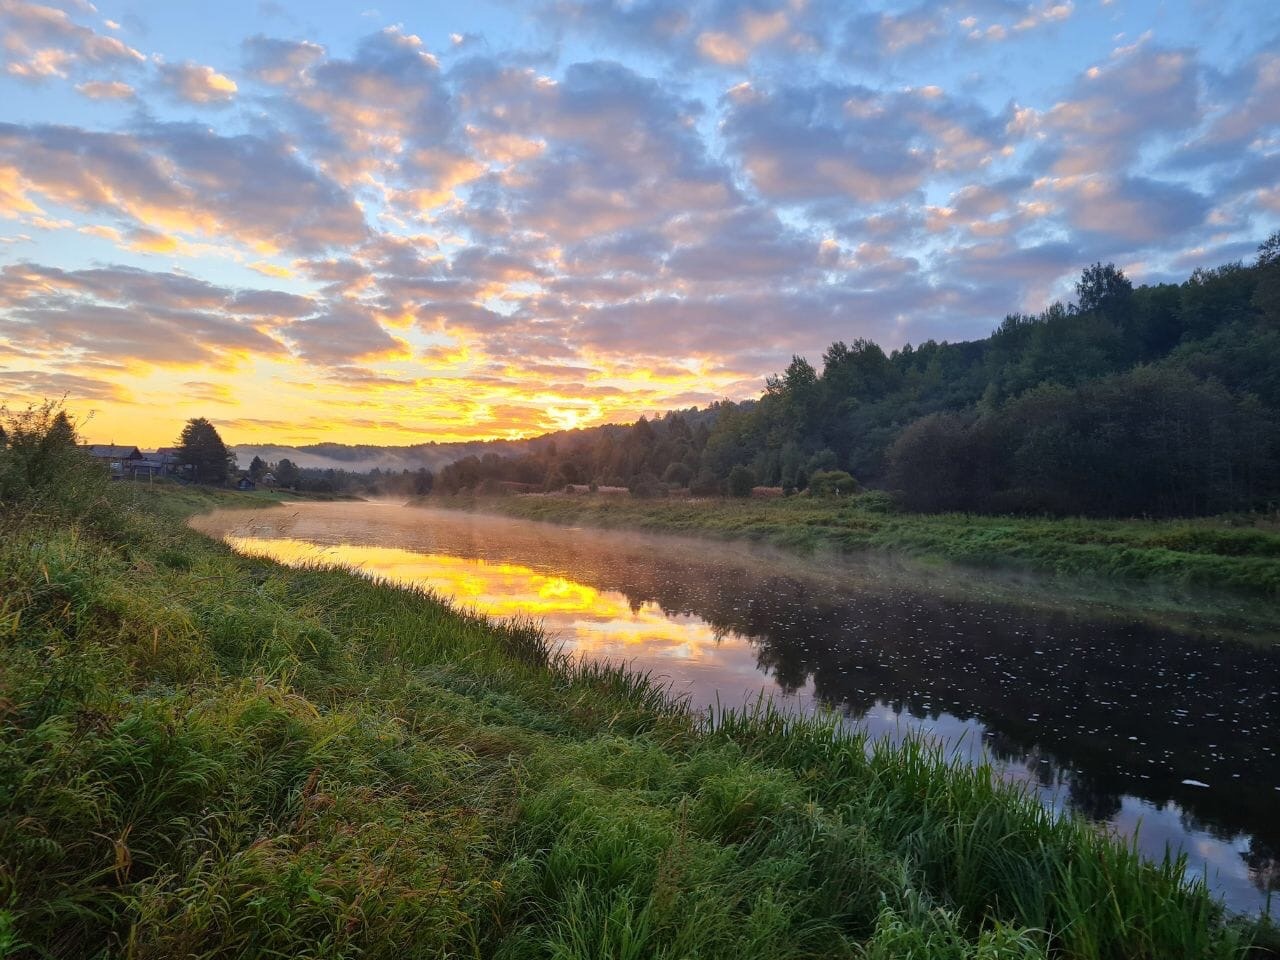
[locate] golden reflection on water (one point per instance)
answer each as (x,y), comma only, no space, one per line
(601,624)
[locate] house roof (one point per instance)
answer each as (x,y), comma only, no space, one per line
(108,451)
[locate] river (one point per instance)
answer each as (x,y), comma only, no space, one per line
(1165,733)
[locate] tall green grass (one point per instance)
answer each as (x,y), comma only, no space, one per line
(206,755)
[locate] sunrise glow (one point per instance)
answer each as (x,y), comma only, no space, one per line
(492,220)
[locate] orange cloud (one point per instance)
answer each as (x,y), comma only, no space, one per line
(197,83)
(106,90)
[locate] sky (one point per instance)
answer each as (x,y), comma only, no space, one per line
(443,221)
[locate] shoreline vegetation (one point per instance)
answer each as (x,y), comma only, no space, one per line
(1226,568)
(205,754)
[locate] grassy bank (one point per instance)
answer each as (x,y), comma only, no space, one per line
(206,755)
(1201,554)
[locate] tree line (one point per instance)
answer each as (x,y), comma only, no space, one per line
(1157,400)
(203,457)
(371,483)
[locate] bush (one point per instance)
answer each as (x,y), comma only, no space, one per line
(489,487)
(832,483)
(705,484)
(647,486)
(877,501)
(677,474)
(741,480)
(43,471)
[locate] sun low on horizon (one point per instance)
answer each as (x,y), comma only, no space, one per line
(441,221)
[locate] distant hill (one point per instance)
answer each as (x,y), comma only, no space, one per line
(361,458)
(364,457)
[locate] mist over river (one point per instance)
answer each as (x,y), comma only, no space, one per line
(1169,733)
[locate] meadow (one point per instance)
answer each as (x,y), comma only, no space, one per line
(208,755)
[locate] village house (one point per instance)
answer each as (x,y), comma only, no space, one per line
(130,463)
(120,461)
(166,461)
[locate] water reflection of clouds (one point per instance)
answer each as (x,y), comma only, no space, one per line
(1218,861)
(709,664)
(592,621)
(1154,829)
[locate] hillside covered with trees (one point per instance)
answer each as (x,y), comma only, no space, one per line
(1156,400)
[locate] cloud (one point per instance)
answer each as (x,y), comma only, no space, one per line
(748,31)
(106,90)
(126,314)
(720,327)
(664,24)
(209,392)
(38,385)
(620,153)
(269,303)
(877,36)
(1247,112)
(1011,19)
(40,42)
(196,84)
(750,247)
(732,35)
(1115,212)
(42,64)
(1114,110)
(181,179)
(280,62)
(707,33)
(342,333)
(723,48)
(853,143)
(122,314)
(268,269)
(384,112)
(83,332)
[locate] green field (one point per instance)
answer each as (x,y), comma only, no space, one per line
(206,755)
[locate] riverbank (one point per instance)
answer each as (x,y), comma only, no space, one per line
(204,752)
(1204,555)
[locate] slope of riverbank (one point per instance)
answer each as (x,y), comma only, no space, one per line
(207,754)
(1244,560)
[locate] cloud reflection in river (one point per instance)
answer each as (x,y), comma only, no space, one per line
(700,662)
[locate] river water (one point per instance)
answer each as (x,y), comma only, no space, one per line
(1172,735)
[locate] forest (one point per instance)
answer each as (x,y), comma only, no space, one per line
(1154,401)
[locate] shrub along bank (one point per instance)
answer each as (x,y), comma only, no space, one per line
(207,755)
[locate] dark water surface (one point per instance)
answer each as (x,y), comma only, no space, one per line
(1172,735)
